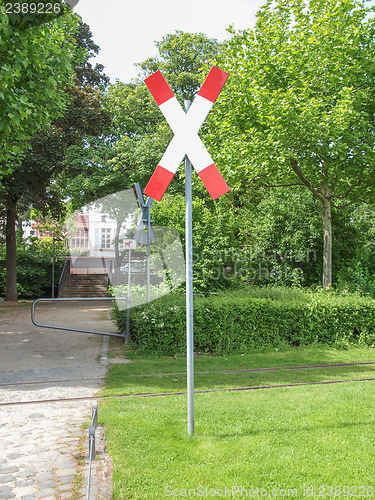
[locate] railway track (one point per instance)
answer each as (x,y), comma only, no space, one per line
(198,391)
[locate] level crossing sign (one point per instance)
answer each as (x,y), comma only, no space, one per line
(186,140)
(187,143)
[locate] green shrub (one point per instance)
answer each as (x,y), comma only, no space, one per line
(241,321)
(359,277)
(34,268)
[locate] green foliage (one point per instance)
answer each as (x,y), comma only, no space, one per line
(298,107)
(44,247)
(93,177)
(181,57)
(254,319)
(284,244)
(358,275)
(139,293)
(134,110)
(277,240)
(214,237)
(34,267)
(34,177)
(37,64)
(301,87)
(358,278)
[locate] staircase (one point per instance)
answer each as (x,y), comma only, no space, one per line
(83,285)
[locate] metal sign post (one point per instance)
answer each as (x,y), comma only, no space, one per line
(148,259)
(53,264)
(130,244)
(187,144)
(139,234)
(129,271)
(189,289)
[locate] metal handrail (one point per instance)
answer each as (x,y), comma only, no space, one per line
(75,299)
(62,275)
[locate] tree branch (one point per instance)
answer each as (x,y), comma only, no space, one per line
(345,195)
(335,182)
(304,180)
(341,206)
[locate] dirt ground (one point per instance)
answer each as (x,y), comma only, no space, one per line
(27,347)
(41,436)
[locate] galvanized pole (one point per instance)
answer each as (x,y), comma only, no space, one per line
(189,289)
(148,271)
(127,334)
(129,270)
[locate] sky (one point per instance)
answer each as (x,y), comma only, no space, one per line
(126,30)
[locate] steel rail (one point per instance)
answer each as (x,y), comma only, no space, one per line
(259,370)
(179,393)
(245,370)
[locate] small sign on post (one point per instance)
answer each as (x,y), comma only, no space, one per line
(129,244)
(187,143)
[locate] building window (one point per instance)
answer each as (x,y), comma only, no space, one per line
(106,238)
(80,238)
(81,220)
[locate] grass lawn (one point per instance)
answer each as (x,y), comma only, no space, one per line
(5,305)
(291,438)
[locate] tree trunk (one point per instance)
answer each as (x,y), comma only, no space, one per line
(11,253)
(327,248)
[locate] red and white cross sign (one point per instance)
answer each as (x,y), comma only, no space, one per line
(186,140)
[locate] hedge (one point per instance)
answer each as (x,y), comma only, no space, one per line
(34,266)
(251,320)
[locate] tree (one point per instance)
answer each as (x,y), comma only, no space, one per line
(36,65)
(215,237)
(298,108)
(35,179)
(284,244)
(181,57)
(358,274)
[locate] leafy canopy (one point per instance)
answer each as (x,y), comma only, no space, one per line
(35,67)
(299,105)
(181,57)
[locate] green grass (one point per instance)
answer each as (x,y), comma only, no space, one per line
(4,305)
(290,438)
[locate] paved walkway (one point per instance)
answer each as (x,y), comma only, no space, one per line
(43,448)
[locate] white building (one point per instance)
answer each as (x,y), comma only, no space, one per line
(94,234)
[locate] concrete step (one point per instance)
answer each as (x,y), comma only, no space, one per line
(84,285)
